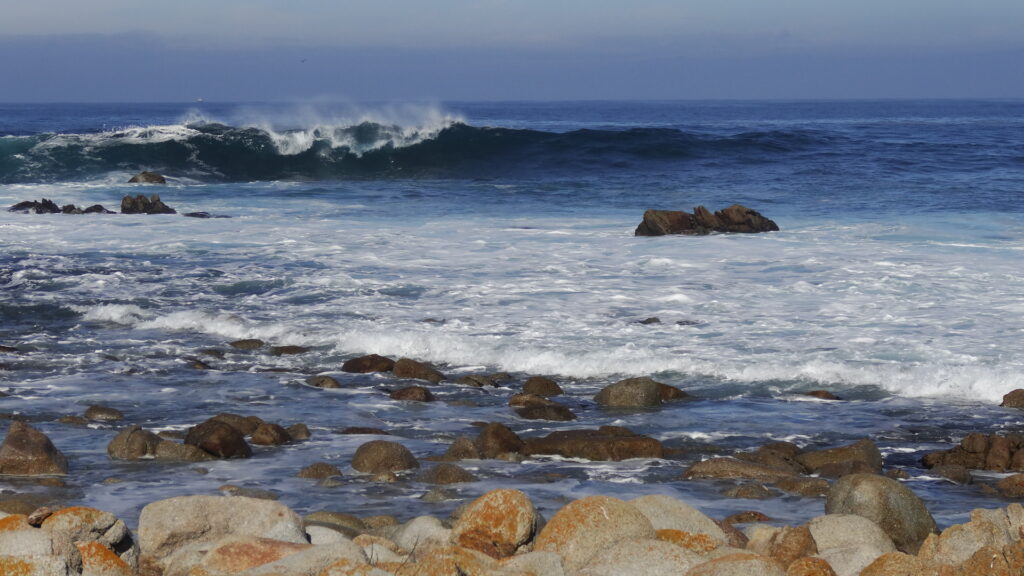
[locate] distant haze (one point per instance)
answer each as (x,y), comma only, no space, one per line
(140,50)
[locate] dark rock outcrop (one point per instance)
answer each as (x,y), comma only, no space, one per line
(322,381)
(605,443)
(28,452)
(980,452)
(542,386)
(637,393)
(268,434)
(861,451)
(319,471)
(414,394)
(554,411)
(99,413)
(147,177)
(497,439)
(407,368)
(367,364)
(142,205)
(219,439)
(735,218)
(446,473)
(247,344)
(379,456)
(43,206)
(288,350)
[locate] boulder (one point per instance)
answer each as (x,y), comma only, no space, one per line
(605,443)
(734,468)
(898,564)
(165,526)
(497,439)
(585,527)
(368,363)
(43,206)
(133,443)
(219,439)
(407,368)
(267,434)
(413,394)
(97,209)
(1012,486)
(314,561)
(810,566)
(542,386)
(71,209)
(887,503)
(420,534)
(99,560)
(70,527)
(630,393)
(147,177)
(247,344)
(244,424)
(319,471)
(28,452)
(647,556)
(668,513)
(322,381)
(299,432)
(142,205)
(380,456)
(861,451)
(739,564)
(554,412)
(103,414)
(446,473)
(169,450)
(735,218)
(235,554)
(822,395)
(992,529)
(524,400)
(1013,399)
(463,448)
(497,523)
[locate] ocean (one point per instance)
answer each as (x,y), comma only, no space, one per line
(488,237)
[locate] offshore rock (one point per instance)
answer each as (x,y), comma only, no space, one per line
(735,218)
(637,393)
(368,363)
(42,206)
(408,368)
(147,177)
(28,452)
(605,443)
(142,205)
(542,386)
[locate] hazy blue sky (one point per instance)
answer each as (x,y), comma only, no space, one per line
(137,50)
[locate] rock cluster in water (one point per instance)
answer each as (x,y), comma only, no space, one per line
(735,218)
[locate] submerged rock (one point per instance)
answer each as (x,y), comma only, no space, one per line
(142,205)
(605,443)
(147,177)
(408,368)
(413,394)
(28,452)
(367,364)
(735,218)
(542,386)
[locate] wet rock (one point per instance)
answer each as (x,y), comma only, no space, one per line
(142,205)
(630,393)
(165,526)
(319,471)
(1011,486)
(802,486)
(476,380)
(407,368)
(446,473)
(542,386)
(322,381)
(496,440)
(147,177)
(299,432)
(463,448)
(247,344)
(364,430)
(219,439)
(98,413)
(42,206)
(749,491)
(368,363)
(735,218)
(840,469)
(605,443)
(954,473)
(169,450)
(1014,399)
(735,468)
(554,412)
(781,455)
(585,527)
(822,395)
(887,503)
(651,320)
(864,451)
(379,456)
(497,523)
(97,209)
(413,393)
(28,452)
(204,215)
(288,350)
(9,350)
(268,434)
(71,209)
(133,443)
(74,420)
(244,424)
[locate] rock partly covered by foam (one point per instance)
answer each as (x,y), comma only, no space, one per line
(142,205)
(735,218)
(147,177)
(42,206)
(28,452)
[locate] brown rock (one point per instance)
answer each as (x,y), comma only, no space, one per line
(1014,399)
(735,218)
(738,564)
(822,394)
(555,412)
(1011,486)
(288,350)
(497,523)
(169,450)
(662,222)
(524,400)
(244,424)
(299,432)
(268,434)
(381,456)
(147,177)
(802,486)
(749,491)
(477,380)
(28,452)
(811,567)
(954,473)
(900,564)
(367,364)
(364,430)
(997,454)
(463,448)
(219,439)
(407,368)
(631,393)
(497,439)
(319,471)
(446,473)
(734,468)
(142,205)
(248,344)
(671,393)
(103,414)
(747,517)
(863,450)
(839,469)
(598,444)
(413,393)
(792,543)
(322,381)
(133,443)
(696,542)
(542,386)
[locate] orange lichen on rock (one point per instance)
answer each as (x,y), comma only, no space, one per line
(14,566)
(900,563)
(14,522)
(496,523)
(349,567)
(699,543)
(245,553)
(809,566)
(584,527)
(98,559)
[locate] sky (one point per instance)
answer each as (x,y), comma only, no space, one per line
(444,50)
